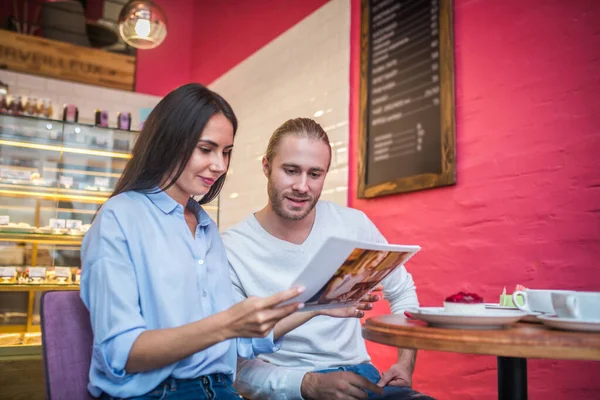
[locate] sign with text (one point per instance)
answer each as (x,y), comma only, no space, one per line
(406,127)
(39,56)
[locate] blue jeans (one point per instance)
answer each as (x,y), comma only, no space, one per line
(210,387)
(390,392)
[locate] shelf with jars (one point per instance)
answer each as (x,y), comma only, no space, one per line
(54,176)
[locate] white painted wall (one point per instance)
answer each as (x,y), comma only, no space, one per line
(301,72)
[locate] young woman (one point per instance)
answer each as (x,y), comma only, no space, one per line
(154,270)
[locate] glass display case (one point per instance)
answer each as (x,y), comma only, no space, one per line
(54,176)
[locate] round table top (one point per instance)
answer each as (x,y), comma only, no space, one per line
(524,340)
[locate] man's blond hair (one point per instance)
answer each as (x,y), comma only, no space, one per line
(301,127)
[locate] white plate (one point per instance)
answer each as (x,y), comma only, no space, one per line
(570,324)
(490,319)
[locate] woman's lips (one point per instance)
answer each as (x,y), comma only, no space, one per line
(207,181)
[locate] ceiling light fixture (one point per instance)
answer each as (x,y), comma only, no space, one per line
(142,24)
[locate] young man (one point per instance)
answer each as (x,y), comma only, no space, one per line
(326,357)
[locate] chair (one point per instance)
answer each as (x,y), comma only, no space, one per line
(66,344)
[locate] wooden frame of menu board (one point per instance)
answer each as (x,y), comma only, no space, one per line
(407,134)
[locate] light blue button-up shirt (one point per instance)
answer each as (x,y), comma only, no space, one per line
(143,270)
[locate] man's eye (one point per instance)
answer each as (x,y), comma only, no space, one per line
(315,176)
(290,171)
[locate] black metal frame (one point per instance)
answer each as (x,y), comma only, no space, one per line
(512,378)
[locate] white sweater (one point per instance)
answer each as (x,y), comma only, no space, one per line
(261,265)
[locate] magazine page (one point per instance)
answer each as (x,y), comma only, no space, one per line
(343,271)
(359,274)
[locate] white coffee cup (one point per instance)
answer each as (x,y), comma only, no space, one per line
(536,300)
(577,305)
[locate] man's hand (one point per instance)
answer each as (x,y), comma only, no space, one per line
(356,311)
(400,374)
(341,385)
(397,375)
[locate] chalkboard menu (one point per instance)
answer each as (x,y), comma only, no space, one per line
(407,128)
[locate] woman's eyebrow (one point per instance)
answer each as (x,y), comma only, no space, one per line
(211,143)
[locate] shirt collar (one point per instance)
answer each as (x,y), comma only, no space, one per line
(201,215)
(167,204)
(162,200)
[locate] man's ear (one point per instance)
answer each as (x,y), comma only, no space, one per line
(265,166)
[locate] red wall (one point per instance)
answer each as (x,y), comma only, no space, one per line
(526,208)
(207,38)
(229,31)
(160,70)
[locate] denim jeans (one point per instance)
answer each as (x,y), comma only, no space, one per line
(390,392)
(210,387)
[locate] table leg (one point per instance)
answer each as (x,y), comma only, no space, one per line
(512,378)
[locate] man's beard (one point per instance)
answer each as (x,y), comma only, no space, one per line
(277,200)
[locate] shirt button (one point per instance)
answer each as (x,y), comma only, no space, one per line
(204,293)
(200,262)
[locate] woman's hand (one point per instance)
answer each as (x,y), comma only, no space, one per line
(256,316)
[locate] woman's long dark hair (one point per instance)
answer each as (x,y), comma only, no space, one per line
(169,137)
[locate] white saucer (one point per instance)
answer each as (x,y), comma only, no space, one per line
(530,316)
(490,319)
(570,324)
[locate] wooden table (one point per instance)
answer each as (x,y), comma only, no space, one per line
(512,345)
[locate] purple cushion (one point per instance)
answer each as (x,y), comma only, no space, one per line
(67,345)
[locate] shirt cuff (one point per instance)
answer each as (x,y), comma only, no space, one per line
(293,383)
(114,354)
(250,348)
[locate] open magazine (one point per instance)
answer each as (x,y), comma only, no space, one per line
(342,271)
